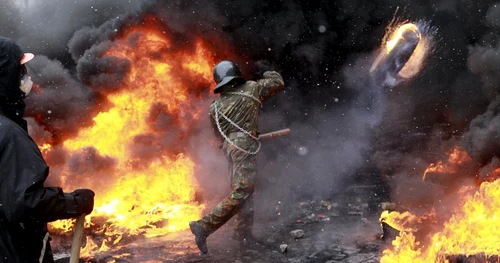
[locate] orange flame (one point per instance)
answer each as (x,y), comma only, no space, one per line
(457,158)
(402,221)
(45,148)
(471,229)
(158,197)
(399,33)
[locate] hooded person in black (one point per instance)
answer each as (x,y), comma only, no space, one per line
(26,205)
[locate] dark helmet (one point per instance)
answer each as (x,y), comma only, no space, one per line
(225,72)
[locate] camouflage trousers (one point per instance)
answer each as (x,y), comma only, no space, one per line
(243,168)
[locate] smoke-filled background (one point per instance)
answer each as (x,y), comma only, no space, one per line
(344,130)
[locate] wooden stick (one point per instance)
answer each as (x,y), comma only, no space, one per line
(274,134)
(77,239)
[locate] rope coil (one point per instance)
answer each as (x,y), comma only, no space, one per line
(217,113)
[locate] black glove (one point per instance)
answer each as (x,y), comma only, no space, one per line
(260,67)
(81,201)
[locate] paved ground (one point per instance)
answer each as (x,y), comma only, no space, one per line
(333,232)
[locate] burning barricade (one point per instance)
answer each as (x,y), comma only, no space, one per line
(463,231)
(146,187)
(457,222)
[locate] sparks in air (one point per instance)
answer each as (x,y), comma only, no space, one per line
(404,51)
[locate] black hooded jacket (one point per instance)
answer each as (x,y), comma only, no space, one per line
(11,97)
(26,205)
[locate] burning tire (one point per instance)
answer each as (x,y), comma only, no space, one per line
(401,57)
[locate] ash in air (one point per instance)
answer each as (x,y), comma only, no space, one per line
(362,107)
(320,49)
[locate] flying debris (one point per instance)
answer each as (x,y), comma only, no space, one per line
(402,55)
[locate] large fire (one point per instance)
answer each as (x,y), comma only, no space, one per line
(471,228)
(155,196)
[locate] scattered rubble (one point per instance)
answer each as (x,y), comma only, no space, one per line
(332,236)
(297,234)
(283,248)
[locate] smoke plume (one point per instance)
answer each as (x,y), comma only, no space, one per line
(341,124)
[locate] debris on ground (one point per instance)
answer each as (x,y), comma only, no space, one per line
(297,234)
(283,248)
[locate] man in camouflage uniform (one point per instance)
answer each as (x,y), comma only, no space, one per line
(234,116)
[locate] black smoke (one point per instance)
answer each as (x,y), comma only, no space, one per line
(59,101)
(482,138)
(46,27)
(341,125)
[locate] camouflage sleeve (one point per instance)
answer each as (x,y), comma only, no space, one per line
(271,84)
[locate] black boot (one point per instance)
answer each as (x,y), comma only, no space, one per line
(200,236)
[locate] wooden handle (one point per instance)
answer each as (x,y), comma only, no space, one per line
(77,239)
(274,134)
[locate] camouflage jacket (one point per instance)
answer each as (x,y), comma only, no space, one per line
(244,110)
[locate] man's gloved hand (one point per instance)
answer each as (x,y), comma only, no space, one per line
(82,203)
(260,67)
